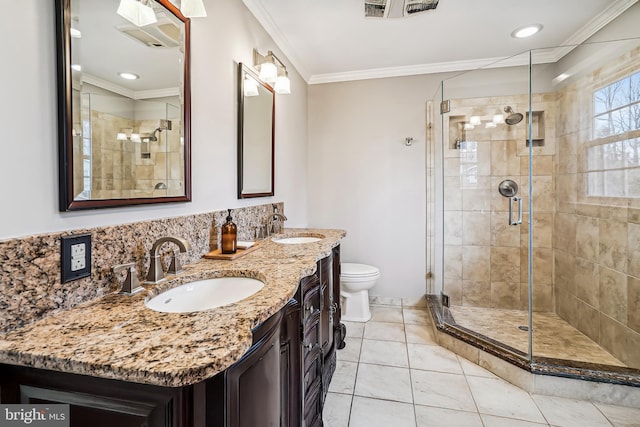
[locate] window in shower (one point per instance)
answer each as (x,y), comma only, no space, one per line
(613,156)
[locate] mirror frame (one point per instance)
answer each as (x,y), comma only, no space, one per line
(65,118)
(243,69)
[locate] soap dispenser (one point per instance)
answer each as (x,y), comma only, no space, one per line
(229,236)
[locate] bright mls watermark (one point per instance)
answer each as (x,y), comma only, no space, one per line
(34,415)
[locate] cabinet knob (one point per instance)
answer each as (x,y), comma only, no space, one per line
(309,346)
(310,308)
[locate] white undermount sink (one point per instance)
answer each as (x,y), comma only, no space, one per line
(204,294)
(296,240)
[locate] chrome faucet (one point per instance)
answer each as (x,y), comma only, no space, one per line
(275,222)
(155,273)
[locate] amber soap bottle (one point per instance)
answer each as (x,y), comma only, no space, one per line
(229,236)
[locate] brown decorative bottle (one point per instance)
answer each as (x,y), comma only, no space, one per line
(229,236)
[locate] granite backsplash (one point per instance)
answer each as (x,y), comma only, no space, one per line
(30,284)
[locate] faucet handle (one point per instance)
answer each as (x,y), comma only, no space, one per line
(131,285)
(175,266)
(261,232)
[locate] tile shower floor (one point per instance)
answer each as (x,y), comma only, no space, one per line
(393,374)
(552,336)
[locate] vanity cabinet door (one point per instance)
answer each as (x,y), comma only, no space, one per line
(337,302)
(248,394)
(97,402)
(290,366)
(325,268)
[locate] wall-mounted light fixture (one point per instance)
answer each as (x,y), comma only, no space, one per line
(272,70)
(138,12)
(250,86)
(193,8)
(128,135)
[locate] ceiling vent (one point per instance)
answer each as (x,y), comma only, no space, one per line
(163,34)
(397,8)
(415,6)
(375,8)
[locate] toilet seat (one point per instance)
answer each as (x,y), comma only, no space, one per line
(358,271)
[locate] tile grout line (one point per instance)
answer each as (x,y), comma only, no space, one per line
(406,346)
(603,414)
(466,381)
(355,379)
(540,409)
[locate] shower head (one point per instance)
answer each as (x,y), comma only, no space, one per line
(513,118)
(153,136)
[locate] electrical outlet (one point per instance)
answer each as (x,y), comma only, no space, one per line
(77,250)
(75,257)
(77,264)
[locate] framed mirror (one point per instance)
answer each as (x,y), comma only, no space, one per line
(124,122)
(256,115)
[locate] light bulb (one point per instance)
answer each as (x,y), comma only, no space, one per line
(137,13)
(268,72)
(250,87)
(193,8)
(526,31)
(283,85)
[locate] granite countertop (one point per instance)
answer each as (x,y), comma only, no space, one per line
(117,337)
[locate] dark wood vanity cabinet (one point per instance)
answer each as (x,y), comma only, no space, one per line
(98,402)
(321,332)
(282,380)
(311,369)
(250,393)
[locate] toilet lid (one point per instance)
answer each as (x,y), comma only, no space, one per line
(358,270)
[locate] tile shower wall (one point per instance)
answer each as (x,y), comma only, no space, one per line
(30,285)
(120,170)
(486,258)
(597,239)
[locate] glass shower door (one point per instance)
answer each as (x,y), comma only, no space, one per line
(484,170)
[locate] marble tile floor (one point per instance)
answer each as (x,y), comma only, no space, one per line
(392,373)
(552,336)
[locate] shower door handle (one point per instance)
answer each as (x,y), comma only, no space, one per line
(519,219)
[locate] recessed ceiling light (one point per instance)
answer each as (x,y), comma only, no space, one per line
(129,76)
(526,31)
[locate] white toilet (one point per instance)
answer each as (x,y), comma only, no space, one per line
(355,282)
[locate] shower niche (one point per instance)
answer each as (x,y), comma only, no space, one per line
(537,129)
(457,132)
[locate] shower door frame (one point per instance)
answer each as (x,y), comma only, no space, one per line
(494,346)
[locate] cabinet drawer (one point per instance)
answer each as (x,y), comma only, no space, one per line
(311,335)
(309,283)
(311,303)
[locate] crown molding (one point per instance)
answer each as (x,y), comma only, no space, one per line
(440,67)
(263,16)
(133,94)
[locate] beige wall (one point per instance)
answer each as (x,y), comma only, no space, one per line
(597,239)
(363,178)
